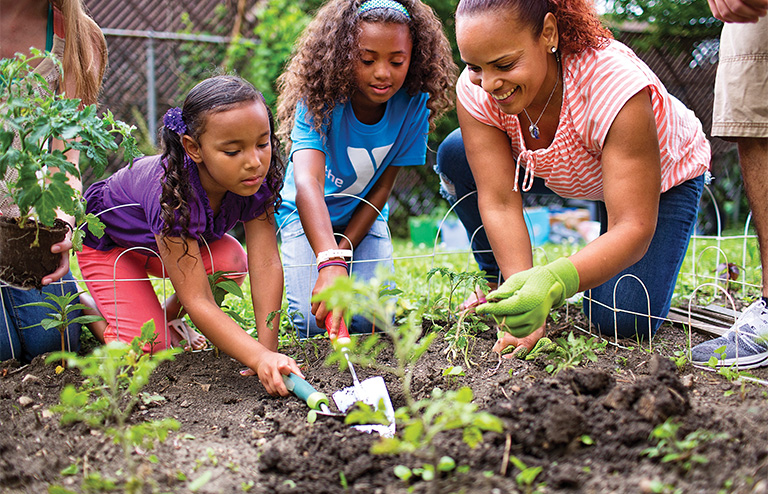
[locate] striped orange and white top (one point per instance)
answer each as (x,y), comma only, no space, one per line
(597,84)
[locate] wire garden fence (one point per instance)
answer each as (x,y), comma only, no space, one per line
(147,76)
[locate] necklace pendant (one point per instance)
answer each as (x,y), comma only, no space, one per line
(534,130)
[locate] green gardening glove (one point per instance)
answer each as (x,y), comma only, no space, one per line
(522,303)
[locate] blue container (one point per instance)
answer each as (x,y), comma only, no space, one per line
(537,221)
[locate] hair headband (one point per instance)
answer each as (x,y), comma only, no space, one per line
(173,121)
(383,4)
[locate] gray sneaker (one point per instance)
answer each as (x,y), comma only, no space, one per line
(749,335)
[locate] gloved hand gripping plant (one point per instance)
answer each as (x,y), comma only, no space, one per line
(522,303)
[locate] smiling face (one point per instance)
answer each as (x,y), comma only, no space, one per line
(507,60)
(381,68)
(234,152)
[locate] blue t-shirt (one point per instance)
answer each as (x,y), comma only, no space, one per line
(128,203)
(357,154)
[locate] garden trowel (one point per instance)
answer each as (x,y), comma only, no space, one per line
(372,391)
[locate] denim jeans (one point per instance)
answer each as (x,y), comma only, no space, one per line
(658,269)
(21,335)
(301,274)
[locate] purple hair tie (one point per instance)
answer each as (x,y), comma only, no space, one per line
(173,121)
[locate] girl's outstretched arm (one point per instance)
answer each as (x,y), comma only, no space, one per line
(266,274)
(187,273)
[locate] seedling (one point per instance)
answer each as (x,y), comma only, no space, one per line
(114,377)
(527,476)
(572,351)
(680,452)
(61,308)
(419,421)
(221,286)
(472,280)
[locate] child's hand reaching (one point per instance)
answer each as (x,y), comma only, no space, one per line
(270,371)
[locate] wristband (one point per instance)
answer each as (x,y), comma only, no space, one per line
(332,253)
(332,263)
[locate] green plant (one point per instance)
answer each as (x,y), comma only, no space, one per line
(471,280)
(61,308)
(680,452)
(114,377)
(35,113)
(419,421)
(571,351)
(527,476)
(221,286)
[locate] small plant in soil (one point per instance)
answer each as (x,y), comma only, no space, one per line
(526,477)
(419,421)
(469,279)
(32,114)
(114,377)
(571,351)
(680,452)
(221,286)
(61,308)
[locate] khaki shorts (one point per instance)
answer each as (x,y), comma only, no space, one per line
(741,85)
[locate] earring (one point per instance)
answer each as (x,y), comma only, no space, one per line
(553,49)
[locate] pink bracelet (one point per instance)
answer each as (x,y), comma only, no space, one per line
(332,263)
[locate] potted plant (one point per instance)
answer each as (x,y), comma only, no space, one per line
(31,115)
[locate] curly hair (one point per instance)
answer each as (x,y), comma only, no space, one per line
(321,73)
(213,95)
(578,25)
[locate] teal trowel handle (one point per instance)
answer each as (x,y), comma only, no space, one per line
(305,391)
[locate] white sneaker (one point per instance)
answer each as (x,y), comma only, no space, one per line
(745,343)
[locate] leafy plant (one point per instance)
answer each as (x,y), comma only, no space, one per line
(571,351)
(419,421)
(681,452)
(35,113)
(114,377)
(61,308)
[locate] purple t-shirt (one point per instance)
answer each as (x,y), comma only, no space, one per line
(134,193)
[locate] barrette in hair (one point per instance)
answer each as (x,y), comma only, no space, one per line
(383,4)
(173,121)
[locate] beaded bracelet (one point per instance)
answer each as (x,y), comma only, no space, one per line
(332,263)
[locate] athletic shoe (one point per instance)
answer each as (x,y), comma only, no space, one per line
(749,335)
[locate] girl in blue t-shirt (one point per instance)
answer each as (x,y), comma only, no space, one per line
(218,168)
(357,100)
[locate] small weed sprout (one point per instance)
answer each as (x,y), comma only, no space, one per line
(419,421)
(527,476)
(114,377)
(571,351)
(680,452)
(61,308)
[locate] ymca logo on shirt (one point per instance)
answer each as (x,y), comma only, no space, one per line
(365,164)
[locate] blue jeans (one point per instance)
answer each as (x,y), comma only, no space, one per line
(21,335)
(658,269)
(301,273)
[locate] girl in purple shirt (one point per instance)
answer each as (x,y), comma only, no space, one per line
(168,216)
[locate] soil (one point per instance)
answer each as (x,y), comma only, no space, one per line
(23,264)
(586,428)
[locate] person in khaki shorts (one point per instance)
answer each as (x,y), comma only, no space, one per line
(740,114)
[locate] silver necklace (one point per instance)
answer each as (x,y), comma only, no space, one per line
(534,127)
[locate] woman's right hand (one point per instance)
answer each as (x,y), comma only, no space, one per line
(271,369)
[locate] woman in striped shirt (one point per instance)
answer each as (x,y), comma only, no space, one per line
(548,100)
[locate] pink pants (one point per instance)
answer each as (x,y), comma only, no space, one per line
(125,296)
